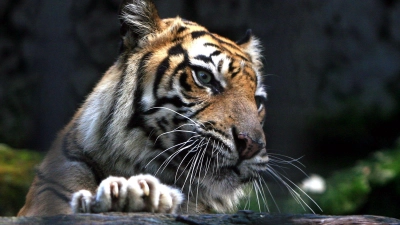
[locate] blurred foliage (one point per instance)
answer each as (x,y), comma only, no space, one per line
(16,174)
(371,186)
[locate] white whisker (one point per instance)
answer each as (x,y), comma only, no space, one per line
(170,149)
(294,193)
(257,191)
(269,191)
(194,122)
(169,159)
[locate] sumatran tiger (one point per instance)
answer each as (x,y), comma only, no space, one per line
(175,125)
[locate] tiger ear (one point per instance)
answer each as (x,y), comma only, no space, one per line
(251,45)
(138,18)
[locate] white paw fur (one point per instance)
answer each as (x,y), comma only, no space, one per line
(141,193)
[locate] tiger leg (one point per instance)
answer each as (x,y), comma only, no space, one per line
(141,193)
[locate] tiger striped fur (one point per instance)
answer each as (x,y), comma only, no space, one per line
(175,125)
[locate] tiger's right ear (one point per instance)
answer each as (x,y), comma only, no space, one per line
(138,18)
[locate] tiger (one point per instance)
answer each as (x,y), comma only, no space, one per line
(175,125)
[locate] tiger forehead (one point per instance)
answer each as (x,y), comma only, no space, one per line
(188,32)
(189,43)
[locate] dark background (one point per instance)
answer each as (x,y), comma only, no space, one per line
(332,69)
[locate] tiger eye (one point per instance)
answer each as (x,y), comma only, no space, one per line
(204,76)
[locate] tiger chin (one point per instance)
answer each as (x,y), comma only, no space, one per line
(174,125)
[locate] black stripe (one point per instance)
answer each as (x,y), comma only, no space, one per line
(209,125)
(74,152)
(177,40)
(175,101)
(221,132)
(248,75)
(216,87)
(55,192)
(235,73)
(43,180)
(182,66)
(116,95)
(181,29)
(220,63)
(225,43)
(230,67)
(242,57)
(225,49)
(162,123)
(183,82)
(161,69)
(43,183)
(176,50)
(222,48)
(178,119)
(210,135)
(215,53)
(189,96)
(197,34)
(204,58)
(199,111)
(136,118)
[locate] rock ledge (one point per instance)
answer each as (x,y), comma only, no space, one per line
(242,217)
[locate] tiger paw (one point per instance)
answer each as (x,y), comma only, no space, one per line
(141,193)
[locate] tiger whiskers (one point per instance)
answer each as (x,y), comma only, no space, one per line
(207,163)
(200,169)
(276,161)
(187,154)
(194,122)
(176,131)
(172,147)
(282,179)
(191,174)
(258,191)
(264,184)
(173,155)
(260,187)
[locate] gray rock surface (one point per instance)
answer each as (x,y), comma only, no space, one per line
(246,217)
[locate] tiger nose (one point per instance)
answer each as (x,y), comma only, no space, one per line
(248,147)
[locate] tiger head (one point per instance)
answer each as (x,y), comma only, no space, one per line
(182,103)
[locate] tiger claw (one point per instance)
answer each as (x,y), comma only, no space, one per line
(83,205)
(81,201)
(145,187)
(114,189)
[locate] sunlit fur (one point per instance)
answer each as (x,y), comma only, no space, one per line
(152,114)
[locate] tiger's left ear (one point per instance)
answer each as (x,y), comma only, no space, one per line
(138,18)
(251,45)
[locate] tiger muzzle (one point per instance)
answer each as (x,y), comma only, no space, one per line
(248,147)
